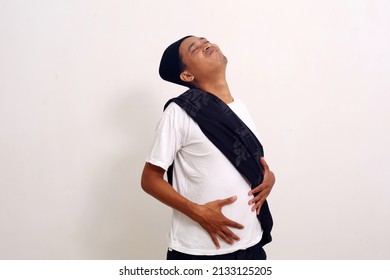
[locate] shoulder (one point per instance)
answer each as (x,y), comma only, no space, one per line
(175,111)
(177,117)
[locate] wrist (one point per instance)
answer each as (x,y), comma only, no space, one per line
(193,210)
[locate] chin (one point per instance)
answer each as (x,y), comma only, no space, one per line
(225,60)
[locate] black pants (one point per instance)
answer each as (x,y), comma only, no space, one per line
(255,252)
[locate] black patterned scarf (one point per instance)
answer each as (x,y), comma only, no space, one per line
(232,137)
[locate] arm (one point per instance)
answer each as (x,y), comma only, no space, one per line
(262,191)
(209,215)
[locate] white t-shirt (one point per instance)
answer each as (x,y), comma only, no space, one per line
(202,174)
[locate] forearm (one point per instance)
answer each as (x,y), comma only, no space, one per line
(153,183)
(209,215)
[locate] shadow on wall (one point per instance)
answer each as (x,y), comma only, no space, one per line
(122,219)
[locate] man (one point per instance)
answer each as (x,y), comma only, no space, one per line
(215,206)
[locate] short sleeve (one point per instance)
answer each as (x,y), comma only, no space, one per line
(167,138)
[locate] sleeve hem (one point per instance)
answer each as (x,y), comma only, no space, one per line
(158,163)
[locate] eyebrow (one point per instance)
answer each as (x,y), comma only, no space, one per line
(190,46)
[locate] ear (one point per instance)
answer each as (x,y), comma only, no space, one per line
(187,77)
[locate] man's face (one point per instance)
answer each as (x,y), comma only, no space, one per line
(200,57)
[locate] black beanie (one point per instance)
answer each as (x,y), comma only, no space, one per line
(170,69)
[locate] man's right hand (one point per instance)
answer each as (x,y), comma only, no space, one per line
(210,217)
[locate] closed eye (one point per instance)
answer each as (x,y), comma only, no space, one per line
(194,46)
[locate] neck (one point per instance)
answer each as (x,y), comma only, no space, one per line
(218,88)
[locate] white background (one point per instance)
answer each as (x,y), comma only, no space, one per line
(80,97)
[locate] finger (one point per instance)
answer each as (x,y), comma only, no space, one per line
(230,234)
(233,224)
(265,185)
(258,196)
(215,240)
(258,189)
(254,199)
(224,237)
(227,201)
(258,204)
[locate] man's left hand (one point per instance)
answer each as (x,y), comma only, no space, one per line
(262,191)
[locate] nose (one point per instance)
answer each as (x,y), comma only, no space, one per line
(207,46)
